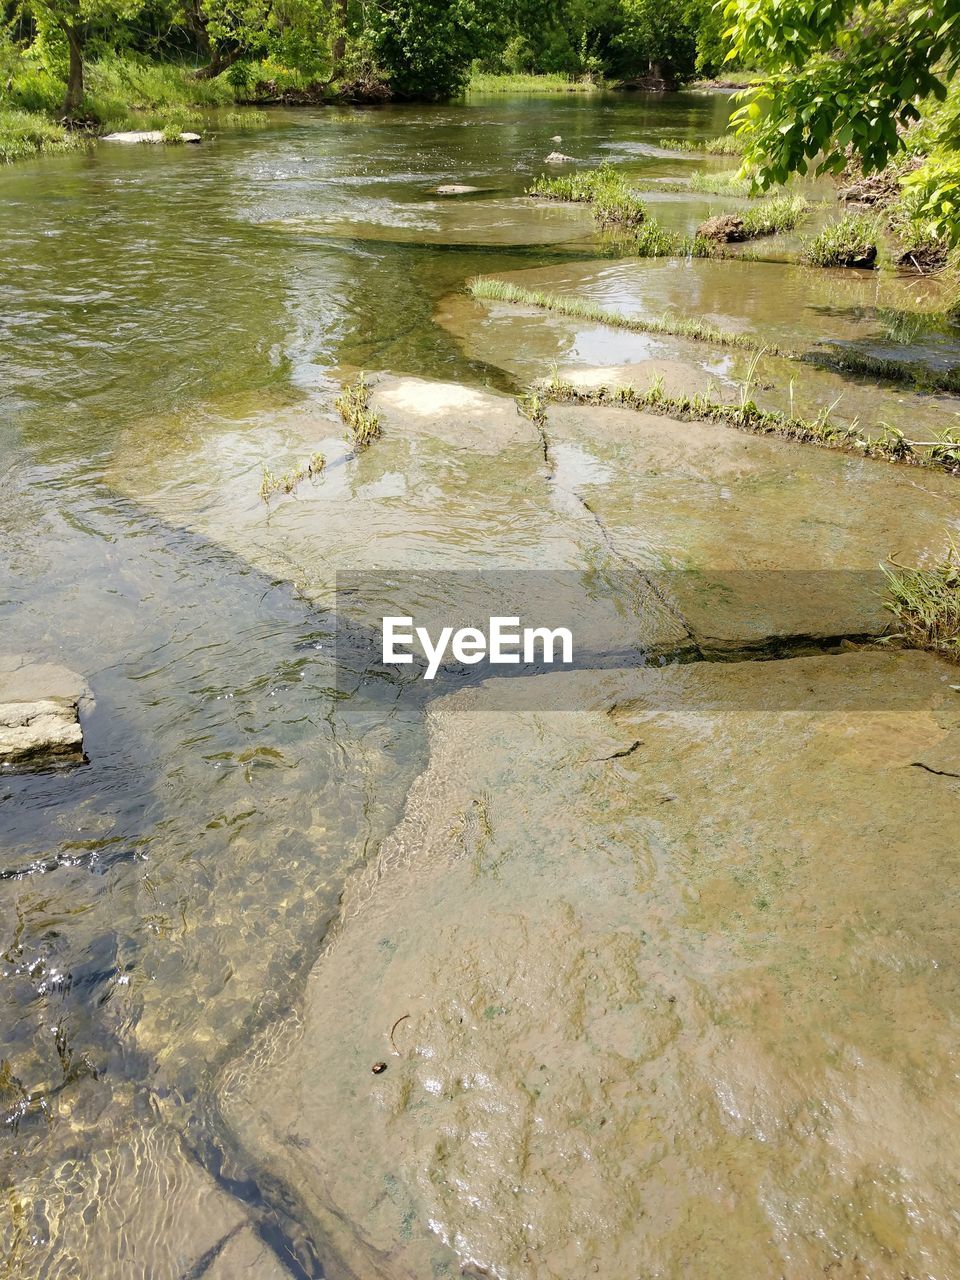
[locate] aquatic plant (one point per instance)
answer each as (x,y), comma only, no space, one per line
(583,187)
(245,118)
(925,604)
(653,240)
(490,289)
(886,444)
(287,481)
(727,183)
(619,208)
(728,144)
(781,213)
(851,241)
(353,404)
(615,203)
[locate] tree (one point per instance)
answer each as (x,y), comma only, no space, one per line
(232,31)
(843,76)
(426,46)
(662,34)
(73,20)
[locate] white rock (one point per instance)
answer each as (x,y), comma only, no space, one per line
(147,135)
(455,189)
(557,157)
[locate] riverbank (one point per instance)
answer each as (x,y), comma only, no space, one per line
(129,93)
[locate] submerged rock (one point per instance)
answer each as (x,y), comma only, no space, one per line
(724,228)
(39,714)
(557,157)
(455,189)
(617,960)
(148,135)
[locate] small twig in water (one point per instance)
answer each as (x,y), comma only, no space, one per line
(403,1017)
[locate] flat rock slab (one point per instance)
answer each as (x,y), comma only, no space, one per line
(660,985)
(756,540)
(148,135)
(784,303)
(39,714)
(455,189)
(528,343)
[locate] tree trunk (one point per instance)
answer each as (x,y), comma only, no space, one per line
(74,99)
(218,62)
(339,37)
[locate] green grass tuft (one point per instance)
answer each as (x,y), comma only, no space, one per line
(492,290)
(579,188)
(519,83)
(614,202)
(272,483)
(654,241)
(353,404)
(768,217)
(24,134)
(728,183)
(728,144)
(925,604)
(850,241)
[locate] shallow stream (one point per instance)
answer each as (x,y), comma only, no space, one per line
(172,320)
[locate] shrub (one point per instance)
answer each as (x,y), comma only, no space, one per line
(851,241)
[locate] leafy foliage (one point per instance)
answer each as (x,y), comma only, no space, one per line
(856,76)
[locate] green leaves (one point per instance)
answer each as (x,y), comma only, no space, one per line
(842,76)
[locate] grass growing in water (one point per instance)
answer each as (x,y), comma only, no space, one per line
(887,444)
(850,241)
(579,188)
(926,605)
(353,405)
(654,241)
(287,481)
(728,144)
(24,133)
(492,290)
(489,289)
(768,217)
(617,204)
(614,202)
(620,209)
(728,183)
